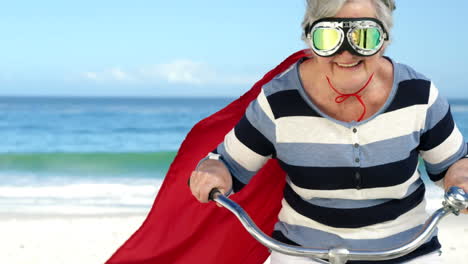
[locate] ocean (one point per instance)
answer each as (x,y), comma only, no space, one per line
(81,155)
(91,155)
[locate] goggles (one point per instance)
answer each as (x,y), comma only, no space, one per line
(359,36)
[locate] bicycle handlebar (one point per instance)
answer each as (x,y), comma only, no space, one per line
(456,200)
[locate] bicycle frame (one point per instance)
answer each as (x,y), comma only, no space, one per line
(456,200)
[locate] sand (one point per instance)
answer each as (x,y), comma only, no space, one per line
(59,239)
(70,239)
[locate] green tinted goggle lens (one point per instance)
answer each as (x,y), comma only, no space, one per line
(329,38)
(326,38)
(366,38)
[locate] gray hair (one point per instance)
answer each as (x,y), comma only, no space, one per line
(317,9)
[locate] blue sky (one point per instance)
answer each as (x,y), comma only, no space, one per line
(195,48)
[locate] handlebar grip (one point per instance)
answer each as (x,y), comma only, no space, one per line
(212,194)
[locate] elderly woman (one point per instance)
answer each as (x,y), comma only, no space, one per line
(348,126)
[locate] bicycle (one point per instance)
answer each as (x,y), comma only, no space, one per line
(455,200)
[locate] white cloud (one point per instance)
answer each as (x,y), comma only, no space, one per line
(119,75)
(181,71)
(90,75)
(191,72)
(112,74)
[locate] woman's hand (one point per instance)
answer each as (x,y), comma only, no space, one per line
(210,174)
(457,175)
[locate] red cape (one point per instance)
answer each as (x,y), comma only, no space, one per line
(180,230)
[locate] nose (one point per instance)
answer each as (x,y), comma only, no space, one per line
(345,55)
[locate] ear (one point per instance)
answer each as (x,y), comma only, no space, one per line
(310,53)
(384,48)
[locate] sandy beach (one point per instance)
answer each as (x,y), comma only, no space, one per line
(59,239)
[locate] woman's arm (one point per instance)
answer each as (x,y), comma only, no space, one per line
(457,175)
(244,151)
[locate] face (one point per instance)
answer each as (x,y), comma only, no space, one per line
(345,69)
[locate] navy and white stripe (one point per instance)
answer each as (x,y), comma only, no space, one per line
(353,184)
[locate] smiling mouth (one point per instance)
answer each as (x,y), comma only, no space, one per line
(349,65)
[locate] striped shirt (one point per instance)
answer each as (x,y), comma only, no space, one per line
(349,184)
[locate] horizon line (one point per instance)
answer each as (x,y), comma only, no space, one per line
(151,96)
